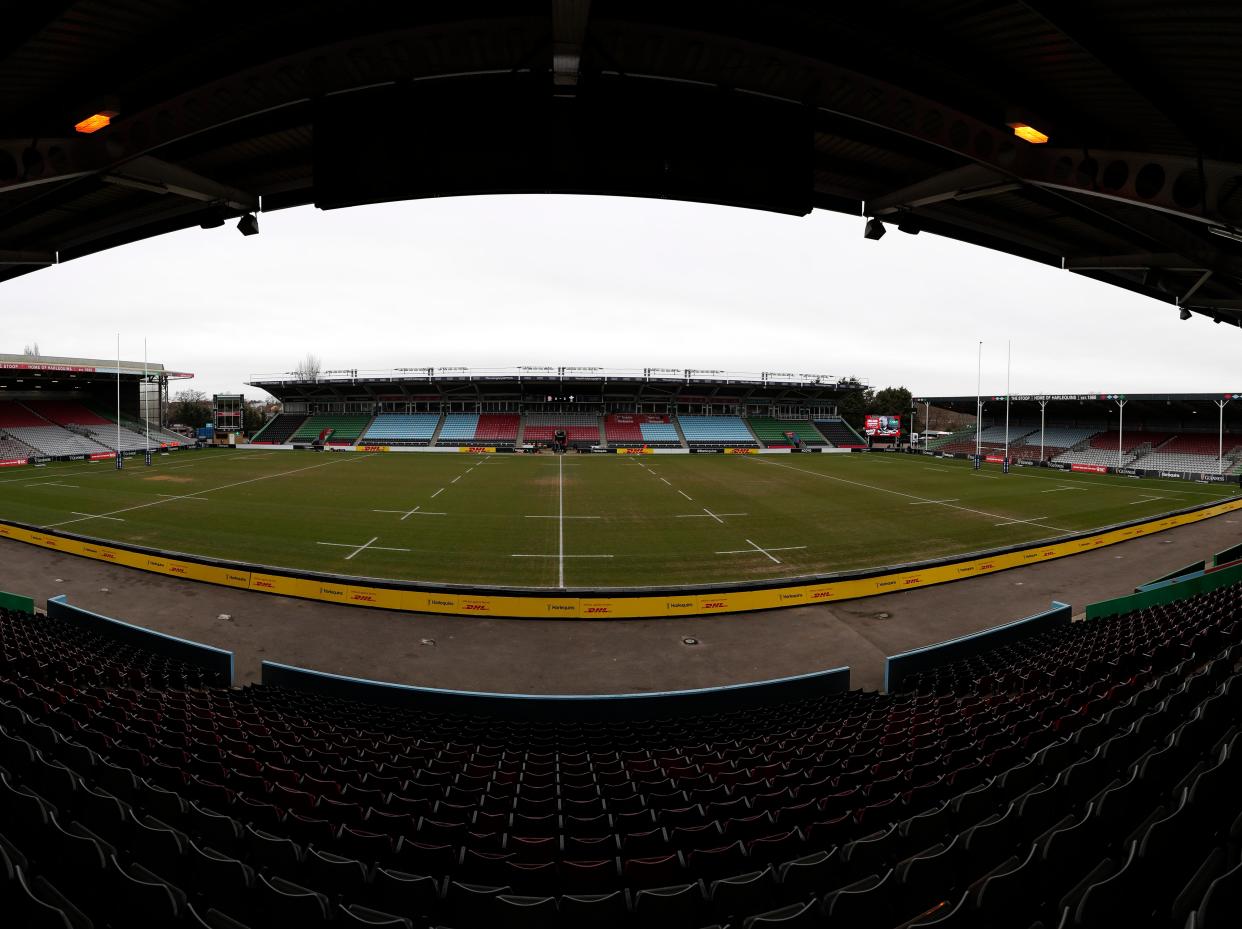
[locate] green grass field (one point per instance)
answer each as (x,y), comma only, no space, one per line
(577,520)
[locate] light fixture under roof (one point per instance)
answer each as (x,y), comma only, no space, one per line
(96,121)
(1028,133)
(874,230)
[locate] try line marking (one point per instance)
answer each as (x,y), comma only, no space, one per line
(766,551)
(1038,523)
(142,506)
(115,519)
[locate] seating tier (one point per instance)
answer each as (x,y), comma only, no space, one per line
(715,430)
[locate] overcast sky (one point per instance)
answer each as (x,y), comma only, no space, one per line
(614,282)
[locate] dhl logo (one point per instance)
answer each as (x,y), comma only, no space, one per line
(988,566)
(913,580)
(177,569)
(598,609)
(476,607)
(108,554)
(821,594)
(363,598)
(268,584)
(714,604)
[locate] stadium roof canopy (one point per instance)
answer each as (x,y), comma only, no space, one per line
(1194,412)
(557,385)
(895,109)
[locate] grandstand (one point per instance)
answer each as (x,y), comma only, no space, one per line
(839,433)
(715,431)
(279,429)
(1080,775)
(338,428)
(629,430)
(598,408)
(479,429)
(579,428)
(402,429)
(772,432)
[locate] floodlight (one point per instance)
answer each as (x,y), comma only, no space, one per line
(95,122)
(909,226)
(874,230)
(248,225)
(1184,314)
(1028,133)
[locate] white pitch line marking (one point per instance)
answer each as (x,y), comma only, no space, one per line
(142,506)
(455,480)
(666,481)
(925,502)
(363,547)
(560,556)
(115,519)
(183,497)
(406,514)
(945,470)
(898,493)
(707,514)
(1145,500)
(560,525)
(686,495)
(564,517)
(52,484)
(1014,522)
(988,477)
(765,551)
(437,493)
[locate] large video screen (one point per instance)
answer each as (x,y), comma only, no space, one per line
(883,426)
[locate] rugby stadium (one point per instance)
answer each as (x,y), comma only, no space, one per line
(561,646)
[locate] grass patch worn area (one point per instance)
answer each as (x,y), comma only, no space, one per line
(576,520)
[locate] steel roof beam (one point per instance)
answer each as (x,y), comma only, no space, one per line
(963,183)
(569,23)
(161,177)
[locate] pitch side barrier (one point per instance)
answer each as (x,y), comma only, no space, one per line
(1179,588)
(899,668)
(1228,556)
(207,657)
(562,708)
(599,603)
(1186,571)
(16,602)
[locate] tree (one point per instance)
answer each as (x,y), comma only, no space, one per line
(891,401)
(190,407)
(308,368)
(854,404)
(254,416)
(31,350)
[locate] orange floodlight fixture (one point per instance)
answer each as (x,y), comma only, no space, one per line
(95,121)
(1028,133)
